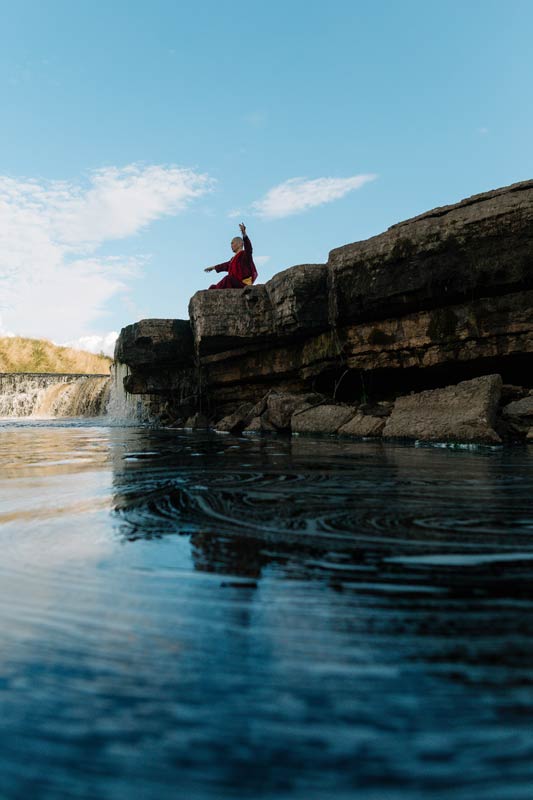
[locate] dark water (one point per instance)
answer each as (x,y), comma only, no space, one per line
(202,616)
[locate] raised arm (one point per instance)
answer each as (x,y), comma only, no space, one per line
(245,239)
(252,271)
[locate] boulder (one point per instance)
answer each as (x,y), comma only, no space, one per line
(254,426)
(260,425)
(244,416)
(321,418)
(281,406)
(519,414)
(197,421)
(154,342)
(465,412)
(237,421)
(178,422)
(363,425)
(260,407)
(479,247)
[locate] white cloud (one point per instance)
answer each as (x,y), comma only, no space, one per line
(122,201)
(261,260)
(104,343)
(53,281)
(299,194)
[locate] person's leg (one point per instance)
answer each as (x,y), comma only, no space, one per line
(220,285)
(229,282)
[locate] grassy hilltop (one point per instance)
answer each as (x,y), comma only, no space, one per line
(39,355)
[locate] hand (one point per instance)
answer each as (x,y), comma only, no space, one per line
(209,269)
(242,226)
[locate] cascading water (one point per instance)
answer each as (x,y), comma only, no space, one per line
(44,395)
(49,395)
(121,405)
(87,397)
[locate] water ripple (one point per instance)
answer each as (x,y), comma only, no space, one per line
(274,619)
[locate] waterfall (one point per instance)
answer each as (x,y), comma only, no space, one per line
(83,398)
(49,395)
(44,395)
(123,406)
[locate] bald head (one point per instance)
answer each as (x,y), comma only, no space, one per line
(237,244)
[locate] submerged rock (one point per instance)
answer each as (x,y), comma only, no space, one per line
(465,412)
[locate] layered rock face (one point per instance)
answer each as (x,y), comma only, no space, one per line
(435,300)
(160,366)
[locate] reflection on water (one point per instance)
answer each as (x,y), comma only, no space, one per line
(215,617)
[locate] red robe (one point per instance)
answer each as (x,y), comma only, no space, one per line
(240,267)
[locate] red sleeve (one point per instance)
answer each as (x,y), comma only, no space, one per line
(242,264)
(251,271)
(224,267)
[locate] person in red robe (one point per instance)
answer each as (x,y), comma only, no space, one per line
(241,269)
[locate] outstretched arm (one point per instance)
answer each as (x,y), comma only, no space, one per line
(224,267)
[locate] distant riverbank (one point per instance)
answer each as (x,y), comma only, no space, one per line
(19,354)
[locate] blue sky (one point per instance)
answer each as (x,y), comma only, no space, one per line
(135,136)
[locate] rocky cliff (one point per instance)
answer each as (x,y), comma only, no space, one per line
(438,300)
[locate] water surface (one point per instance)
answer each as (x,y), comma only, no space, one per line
(205,616)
